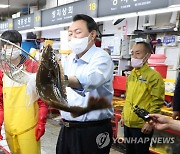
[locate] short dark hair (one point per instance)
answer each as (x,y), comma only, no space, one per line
(147,46)
(11,35)
(91,24)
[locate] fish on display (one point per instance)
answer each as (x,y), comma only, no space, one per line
(50,84)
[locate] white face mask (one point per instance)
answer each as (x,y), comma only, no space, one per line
(78,45)
(137,63)
(11,53)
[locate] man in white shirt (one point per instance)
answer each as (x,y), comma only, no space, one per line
(90,73)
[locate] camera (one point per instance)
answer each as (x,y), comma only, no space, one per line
(117,21)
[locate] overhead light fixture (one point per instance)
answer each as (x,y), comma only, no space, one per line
(52,27)
(117,21)
(158,11)
(4,6)
(108,18)
(28,30)
(45,28)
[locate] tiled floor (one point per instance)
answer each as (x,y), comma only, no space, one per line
(48,141)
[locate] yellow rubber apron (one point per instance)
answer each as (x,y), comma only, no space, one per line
(19,118)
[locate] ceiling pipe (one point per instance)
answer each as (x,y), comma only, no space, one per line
(8,8)
(28,7)
(38,5)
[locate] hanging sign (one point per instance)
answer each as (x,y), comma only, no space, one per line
(23,23)
(92,7)
(65,13)
(37,19)
(3,26)
(174,2)
(10,24)
(114,7)
(6,25)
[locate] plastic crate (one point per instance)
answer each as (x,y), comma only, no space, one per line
(161,68)
(119,84)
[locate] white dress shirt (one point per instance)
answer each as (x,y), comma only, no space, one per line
(94,70)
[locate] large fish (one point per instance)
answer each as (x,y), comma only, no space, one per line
(50,84)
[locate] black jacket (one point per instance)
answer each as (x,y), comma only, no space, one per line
(176,101)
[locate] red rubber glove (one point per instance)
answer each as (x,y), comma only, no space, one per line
(42,117)
(1,118)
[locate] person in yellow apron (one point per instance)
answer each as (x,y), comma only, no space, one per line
(24,122)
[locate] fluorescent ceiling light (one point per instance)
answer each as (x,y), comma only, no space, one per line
(45,28)
(127,15)
(3,6)
(28,30)
(175,5)
(52,27)
(158,11)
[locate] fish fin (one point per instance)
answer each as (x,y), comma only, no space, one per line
(98,103)
(57,93)
(62,79)
(93,104)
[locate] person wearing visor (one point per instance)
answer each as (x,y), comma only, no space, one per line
(145,88)
(89,72)
(24,123)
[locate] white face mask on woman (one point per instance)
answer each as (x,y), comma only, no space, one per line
(78,45)
(11,53)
